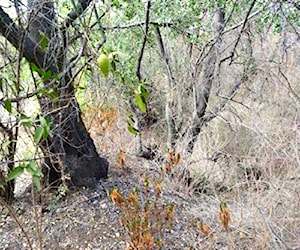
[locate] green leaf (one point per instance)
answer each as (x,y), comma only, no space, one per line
(15,173)
(103,63)
(43,121)
(26,121)
(46,124)
(27,155)
(37,182)
(52,94)
(47,75)
(56,76)
(43,41)
(140,102)
(38,134)
(5,144)
(132,130)
(116,3)
(33,169)
(44,130)
(140,98)
(7,105)
(112,56)
(35,68)
(142,90)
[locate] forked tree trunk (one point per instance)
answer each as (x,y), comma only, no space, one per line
(202,85)
(71,147)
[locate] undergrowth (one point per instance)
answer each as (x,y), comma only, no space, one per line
(143,215)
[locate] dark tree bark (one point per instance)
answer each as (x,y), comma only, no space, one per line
(71,147)
(8,186)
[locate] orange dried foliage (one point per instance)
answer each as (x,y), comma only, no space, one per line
(102,121)
(143,219)
(157,189)
(106,118)
(116,197)
(132,198)
(148,240)
(224,215)
(129,247)
(121,159)
(177,159)
(205,229)
(173,159)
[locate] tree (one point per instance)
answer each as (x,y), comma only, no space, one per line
(189,37)
(167,60)
(68,147)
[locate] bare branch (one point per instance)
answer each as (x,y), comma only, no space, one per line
(20,98)
(138,68)
(289,86)
(241,31)
(229,97)
(172,131)
(138,24)
(76,12)
(18,222)
(277,240)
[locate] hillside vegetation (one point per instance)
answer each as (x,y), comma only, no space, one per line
(194,104)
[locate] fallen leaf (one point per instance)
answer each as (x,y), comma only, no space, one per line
(205,229)
(224,215)
(117,197)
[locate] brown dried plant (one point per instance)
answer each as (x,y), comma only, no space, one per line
(142,215)
(99,121)
(121,159)
(173,159)
(205,229)
(224,215)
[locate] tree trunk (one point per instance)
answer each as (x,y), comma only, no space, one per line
(202,88)
(71,147)
(171,94)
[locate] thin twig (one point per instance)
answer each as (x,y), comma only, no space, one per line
(275,237)
(12,213)
(139,62)
(241,31)
(289,85)
(75,13)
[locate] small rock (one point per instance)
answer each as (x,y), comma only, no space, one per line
(103,206)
